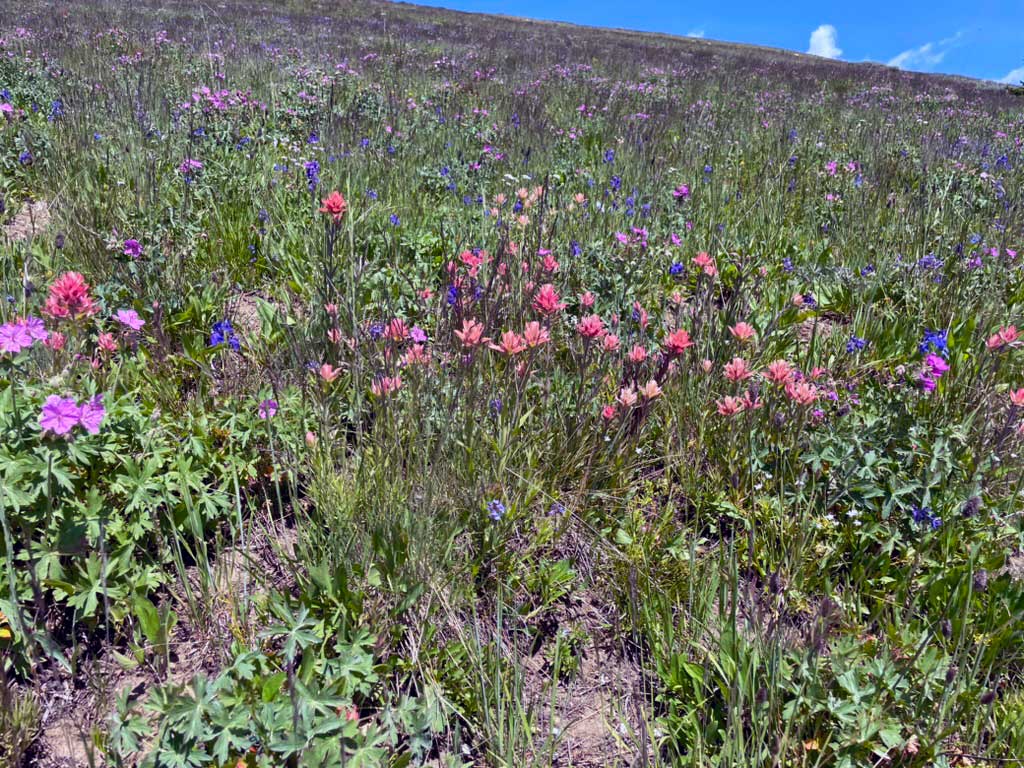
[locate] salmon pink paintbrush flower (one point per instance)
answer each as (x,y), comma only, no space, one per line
(510,343)
(779,372)
(334,205)
(743,332)
(801,392)
(729,406)
(737,370)
(677,342)
(535,334)
(591,327)
(1002,337)
(472,334)
(69,298)
(546,301)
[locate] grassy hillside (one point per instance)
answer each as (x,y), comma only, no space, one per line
(387,386)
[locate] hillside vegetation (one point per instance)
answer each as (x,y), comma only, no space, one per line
(389,386)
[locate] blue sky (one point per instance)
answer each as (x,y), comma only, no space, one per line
(978,38)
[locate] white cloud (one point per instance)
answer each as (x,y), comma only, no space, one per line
(695,33)
(927,56)
(823,42)
(1014,77)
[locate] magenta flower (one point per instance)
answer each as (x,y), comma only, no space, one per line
(130,318)
(190,167)
(267,409)
(59,415)
(133,248)
(14,337)
(92,413)
(35,328)
(936,365)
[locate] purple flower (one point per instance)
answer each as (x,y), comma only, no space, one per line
(936,365)
(59,415)
(14,337)
(130,318)
(133,248)
(92,414)
(267,409)
(190,167)
(418,335)
(35,328)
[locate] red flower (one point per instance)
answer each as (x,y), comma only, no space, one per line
(334,205)
(677,342)
(547,300)
(591,327)
(69,297)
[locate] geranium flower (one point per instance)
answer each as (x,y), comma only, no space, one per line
(130,319)
(59,415)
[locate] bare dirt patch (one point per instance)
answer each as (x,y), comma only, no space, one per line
(30,221)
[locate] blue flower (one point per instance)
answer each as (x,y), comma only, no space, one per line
(395,221)
(855,344)
(495,510)
(223,333)
(787,264)
(313,174)
(921,514)
(609,155)
(453,295)
(935,341)
(372,194)
(676,269)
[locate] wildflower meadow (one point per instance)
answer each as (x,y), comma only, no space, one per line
(389,386)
